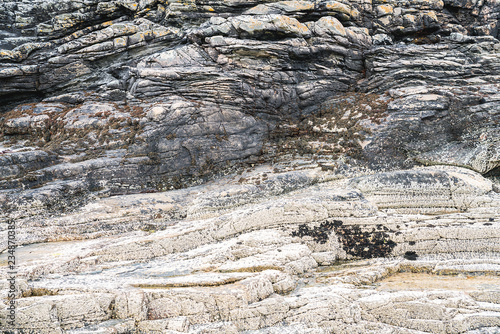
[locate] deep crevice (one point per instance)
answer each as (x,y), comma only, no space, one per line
(495,172)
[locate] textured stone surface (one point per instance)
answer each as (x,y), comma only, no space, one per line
(251,166)
(305,253)
(186,88)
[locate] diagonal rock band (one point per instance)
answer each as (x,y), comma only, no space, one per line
(209,166)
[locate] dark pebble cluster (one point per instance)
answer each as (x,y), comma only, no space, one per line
(362,244)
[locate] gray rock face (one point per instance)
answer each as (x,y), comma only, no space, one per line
(186,88)
(353,142)
(442,109)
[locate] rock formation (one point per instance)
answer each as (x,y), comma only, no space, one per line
(260,166)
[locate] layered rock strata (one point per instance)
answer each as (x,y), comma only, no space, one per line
(225,258)
(172,90)
(318,119)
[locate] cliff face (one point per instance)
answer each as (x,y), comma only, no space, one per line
(105,105)
(132,96)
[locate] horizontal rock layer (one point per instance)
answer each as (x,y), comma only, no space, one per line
(263,249)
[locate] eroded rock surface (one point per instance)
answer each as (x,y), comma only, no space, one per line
(251,166)
(144,96)
(278,251)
